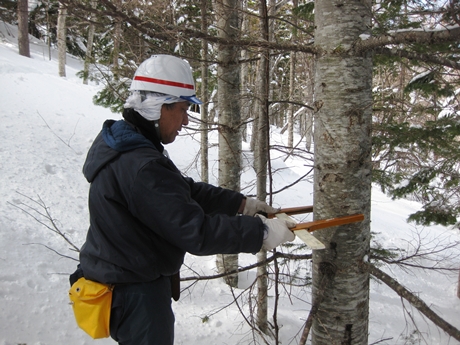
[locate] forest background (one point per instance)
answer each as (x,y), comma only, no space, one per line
(256,66)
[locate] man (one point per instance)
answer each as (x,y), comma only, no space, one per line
(144,215)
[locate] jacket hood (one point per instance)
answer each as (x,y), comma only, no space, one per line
(116,137)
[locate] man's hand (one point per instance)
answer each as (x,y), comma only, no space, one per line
(253,206)
(276,232)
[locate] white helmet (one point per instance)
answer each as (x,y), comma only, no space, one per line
(166,74)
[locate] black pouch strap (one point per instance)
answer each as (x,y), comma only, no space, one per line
(175,286)
(76,275)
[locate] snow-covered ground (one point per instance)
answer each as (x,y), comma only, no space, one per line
(47,125)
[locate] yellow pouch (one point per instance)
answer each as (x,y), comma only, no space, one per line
(91,303)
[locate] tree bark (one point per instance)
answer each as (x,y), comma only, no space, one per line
(61,39)
(309,97)
(89,46)
(23,28)
(204,95)
(261,160)
(290,120)
(342,180)
(245,78)
(229,113)
(458,285)
(117,37)
(292,86)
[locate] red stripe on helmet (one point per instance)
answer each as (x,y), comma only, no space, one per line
(164,82)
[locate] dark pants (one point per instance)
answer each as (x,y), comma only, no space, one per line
(142,314)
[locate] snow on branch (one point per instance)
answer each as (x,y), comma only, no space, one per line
(447,34)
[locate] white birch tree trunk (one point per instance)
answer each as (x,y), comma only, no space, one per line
(61,39)
(23,28)
(229,114)
(261,161)
(244,73)
(342,183)
(204,95)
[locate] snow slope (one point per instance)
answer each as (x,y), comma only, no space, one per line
(47,126)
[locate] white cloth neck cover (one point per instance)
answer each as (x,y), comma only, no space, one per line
(150,108)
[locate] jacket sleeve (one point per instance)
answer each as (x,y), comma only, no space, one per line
(193,217)
(214,200)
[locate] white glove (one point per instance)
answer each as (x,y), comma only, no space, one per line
(277,232)
(253,206)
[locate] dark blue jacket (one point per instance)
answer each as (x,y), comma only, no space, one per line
(144,215)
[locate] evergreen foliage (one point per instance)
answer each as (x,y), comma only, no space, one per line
(113,95)
(416,142)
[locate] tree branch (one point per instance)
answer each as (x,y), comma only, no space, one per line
(48,218)
(414,300)
(418,56)
(250,267)
(450,34)
(176,32)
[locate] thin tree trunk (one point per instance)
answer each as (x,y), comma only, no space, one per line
(48,31)
(458,285)
(255,123)
(342,180)
(262,293)
(204,95)
(328,272)
(308,94)
(291,98)
(229,114)
(117,34)
(89,46)
(305,116)
(61,39)
(23,28)
(244,73)
(261,161)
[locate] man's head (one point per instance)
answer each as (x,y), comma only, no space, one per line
(173,117)
(162,90)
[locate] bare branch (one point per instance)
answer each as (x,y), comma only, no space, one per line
(381,341)
(328,271)
(293,183)
(235,298)
(66,144)
(414,300)
(27,209)
(250,267)
(53,250)
(427,254)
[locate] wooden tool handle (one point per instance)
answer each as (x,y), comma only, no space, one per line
(327,223)
(290,211)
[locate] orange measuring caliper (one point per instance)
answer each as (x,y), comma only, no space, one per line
(302,230)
